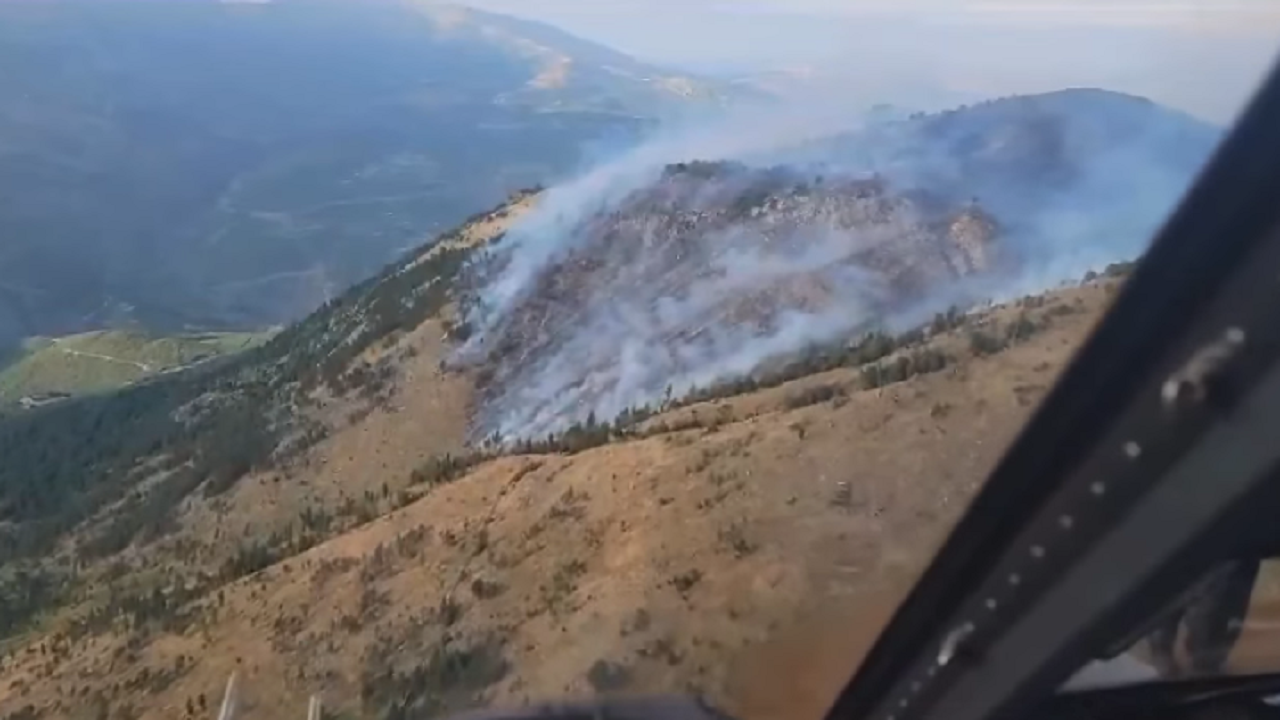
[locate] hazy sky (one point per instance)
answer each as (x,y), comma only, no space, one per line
(1202,55)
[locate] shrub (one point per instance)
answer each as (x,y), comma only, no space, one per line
(438,470)
(1120,269)
(1020,329)
(605,676)
(904,367)
(813,396)
(982,343)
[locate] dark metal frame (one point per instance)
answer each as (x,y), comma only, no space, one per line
(1131,479)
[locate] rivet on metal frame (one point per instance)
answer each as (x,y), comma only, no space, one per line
(1190,385)
(953,643)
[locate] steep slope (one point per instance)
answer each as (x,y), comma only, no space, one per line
(211,164)
(651,563)
(746,547)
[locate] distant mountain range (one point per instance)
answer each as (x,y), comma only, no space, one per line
(212,164)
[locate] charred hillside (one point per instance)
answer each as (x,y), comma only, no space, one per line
(710,264)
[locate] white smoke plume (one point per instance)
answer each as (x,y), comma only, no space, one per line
(643,327)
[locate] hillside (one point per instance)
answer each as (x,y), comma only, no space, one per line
(106,360)
(653,562)
(210,165)
(459,483)
(701,271)
(642,278)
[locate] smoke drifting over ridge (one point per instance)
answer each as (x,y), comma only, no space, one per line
(652,274)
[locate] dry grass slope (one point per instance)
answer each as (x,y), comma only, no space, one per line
(690,557)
